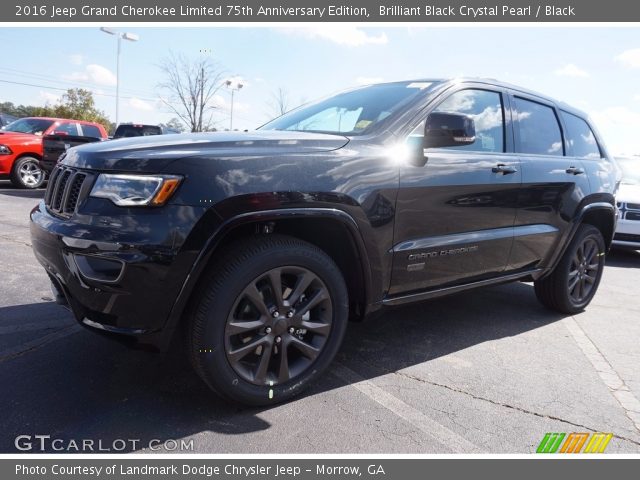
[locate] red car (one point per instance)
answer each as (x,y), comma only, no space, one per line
(21,145)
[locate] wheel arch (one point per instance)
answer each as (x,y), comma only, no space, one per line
(600,213)
(329,229)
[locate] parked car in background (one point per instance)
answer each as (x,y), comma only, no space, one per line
(628,200)
(6,119)
(54,146)
(21,145)
(127,130)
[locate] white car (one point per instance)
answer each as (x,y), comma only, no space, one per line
(628,201)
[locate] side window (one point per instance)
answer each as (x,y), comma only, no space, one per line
(91,131)
(485,107)
(538,129)
(67,127)
(580,137)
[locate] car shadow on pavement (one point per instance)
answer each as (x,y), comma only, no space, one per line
(84,386)
(623,258)
(37,193)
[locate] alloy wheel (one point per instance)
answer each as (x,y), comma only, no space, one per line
(30,174)
(278,325)
(583,270)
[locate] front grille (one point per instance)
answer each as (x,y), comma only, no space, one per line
(633,206)
(635,216)
(67,187)
(627,237)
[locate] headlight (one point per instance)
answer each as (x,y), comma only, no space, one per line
(4,150)
(135,190)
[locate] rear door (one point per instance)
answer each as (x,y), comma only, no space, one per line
(553,182)
(455,214)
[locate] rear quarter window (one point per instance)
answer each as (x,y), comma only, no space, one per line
(580,137)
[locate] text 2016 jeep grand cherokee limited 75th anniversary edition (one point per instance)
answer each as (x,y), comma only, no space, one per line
(258,247)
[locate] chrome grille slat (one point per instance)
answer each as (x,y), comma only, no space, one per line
(64,191)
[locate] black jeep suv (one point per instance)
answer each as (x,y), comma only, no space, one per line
(258,247)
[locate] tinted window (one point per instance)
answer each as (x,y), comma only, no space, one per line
(580,137)
(538,129)
(485,108)
(91,131)
(68,128)
(136,131)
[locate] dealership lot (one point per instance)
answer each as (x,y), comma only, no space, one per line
(486,371)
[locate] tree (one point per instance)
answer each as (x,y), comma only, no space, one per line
(174,124)
(75,104)
(78,104)
(19,110)
(191,87)
(279,102)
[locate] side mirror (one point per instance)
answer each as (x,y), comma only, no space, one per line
(448,130)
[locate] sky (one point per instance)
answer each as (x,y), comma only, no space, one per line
(596,69)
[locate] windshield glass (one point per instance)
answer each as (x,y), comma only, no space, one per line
(630,170)
(350,113)
(36,126)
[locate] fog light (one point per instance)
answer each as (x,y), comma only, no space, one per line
(100,269)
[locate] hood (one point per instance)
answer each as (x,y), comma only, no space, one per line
(154,153)
(18,137)
(628,193)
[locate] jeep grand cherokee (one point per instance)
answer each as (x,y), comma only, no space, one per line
(258,247)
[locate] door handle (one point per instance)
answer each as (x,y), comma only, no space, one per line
(574,170)
(504,169)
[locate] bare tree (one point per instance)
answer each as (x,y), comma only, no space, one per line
(279,102)
(191,86)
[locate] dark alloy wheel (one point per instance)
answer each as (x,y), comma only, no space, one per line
(268,319)
(278,325)
(584,270)
(573,283)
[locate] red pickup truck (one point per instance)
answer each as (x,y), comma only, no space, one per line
(21,146)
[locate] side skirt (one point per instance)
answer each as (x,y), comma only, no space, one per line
(440,292)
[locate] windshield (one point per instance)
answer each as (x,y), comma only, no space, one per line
(630,170)
(350,113)
(36,126)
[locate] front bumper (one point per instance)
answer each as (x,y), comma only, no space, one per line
(118,280)
(47,165)
(627,234)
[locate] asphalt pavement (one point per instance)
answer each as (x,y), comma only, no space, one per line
(488,371)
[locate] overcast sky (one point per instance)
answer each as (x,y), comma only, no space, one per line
(594,69)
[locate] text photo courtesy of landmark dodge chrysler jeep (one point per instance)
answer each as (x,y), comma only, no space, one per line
(258,247)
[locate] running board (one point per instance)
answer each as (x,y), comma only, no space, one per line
(416,297)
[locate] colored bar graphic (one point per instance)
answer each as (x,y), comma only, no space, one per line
(598,442)
(550,443)
(574,442)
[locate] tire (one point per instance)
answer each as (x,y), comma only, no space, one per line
(26,173)
(253,347)
(573,283)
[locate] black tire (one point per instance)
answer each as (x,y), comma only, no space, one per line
(233,333)
(573,283)
(26,173)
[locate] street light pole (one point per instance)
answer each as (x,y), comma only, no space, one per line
(233,85)
(132,37)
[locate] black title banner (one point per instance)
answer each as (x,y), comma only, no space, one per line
(319,11)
